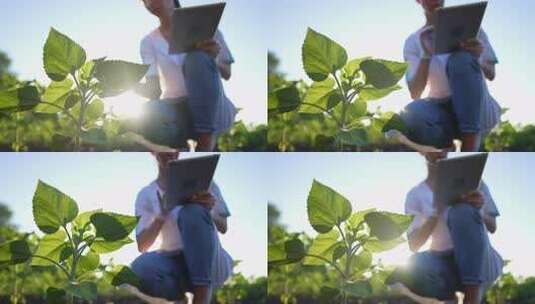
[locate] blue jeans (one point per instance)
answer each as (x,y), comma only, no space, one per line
(172,122)
(169,275)
(439,275)
(438,122)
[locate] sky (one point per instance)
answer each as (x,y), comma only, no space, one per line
(379,29)
(382,180)
(115,28)
(111,181)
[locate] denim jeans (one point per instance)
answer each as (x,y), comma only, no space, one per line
(438,122)
(439,275)
(169,275)
(172,122)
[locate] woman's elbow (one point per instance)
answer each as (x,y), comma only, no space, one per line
(414,246)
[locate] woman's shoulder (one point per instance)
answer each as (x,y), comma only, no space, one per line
(413,39)
(149,38)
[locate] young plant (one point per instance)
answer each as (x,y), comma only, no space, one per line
(346,243)
(76,89)
(341,90)
(73,243)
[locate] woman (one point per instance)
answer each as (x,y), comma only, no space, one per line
(194,77)
(459,104)
(460,257)
(190,257)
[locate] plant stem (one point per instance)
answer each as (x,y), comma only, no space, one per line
(329,262)
(55,263)
(77,139)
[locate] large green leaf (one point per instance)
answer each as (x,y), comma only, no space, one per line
(20,99)
(120,275)
(117,76)
(355,111)
(324,245)
(357,218)
(51,246)
(14,252)
(61,56)
(353,66)
(392,121)
(52,208)
(103,246)
(374,245)
(372,93)
(84,218)
(362,261)
(288,252)
(56,93)
(326,207)
(386,225)
(283,100)
(112,226)
(357,136)
(383,74)
(84,290)
(88,262)
(321,56)
(360,289)
(55,296)
(321,94)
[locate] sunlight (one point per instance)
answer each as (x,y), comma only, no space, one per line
(127,105)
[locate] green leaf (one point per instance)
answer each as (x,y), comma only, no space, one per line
(353,66)
(386,225)
(101,246)
(284,253)
(112,226)
(372,93)
(72,100)
(20,99)
(87,71)
(120,275)
(383,74)
(321,56)
(283,100)
(14,252)
(52,208)
(53,246)
(88,262)
(357,136)
(61,56)
(354,111)
(326,207)
(324,245)
(56,296)
(360,289)
(94,136)
(357,218)
(84,290)
(83,218)
(322,94)
(374,245)
(117,76)
(363,260)
(94,111)
(56,93)
(393,122)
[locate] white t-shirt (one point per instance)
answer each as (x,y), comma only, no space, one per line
(419,202)
(437,80)
(147,207)
(154,51)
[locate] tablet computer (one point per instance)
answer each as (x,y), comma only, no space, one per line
(192,25)
(188,176)
(458,176)
(455,24)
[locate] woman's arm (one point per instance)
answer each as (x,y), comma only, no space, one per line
(220,223)
(150,89)
(225,70)
(489,69)
(147,236)
(420,235)
(419,81)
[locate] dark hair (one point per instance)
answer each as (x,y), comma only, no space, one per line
(177,3)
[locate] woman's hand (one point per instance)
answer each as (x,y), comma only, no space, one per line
(203,198)
(427,39)
(474,198)
(209,46)
(473,46)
